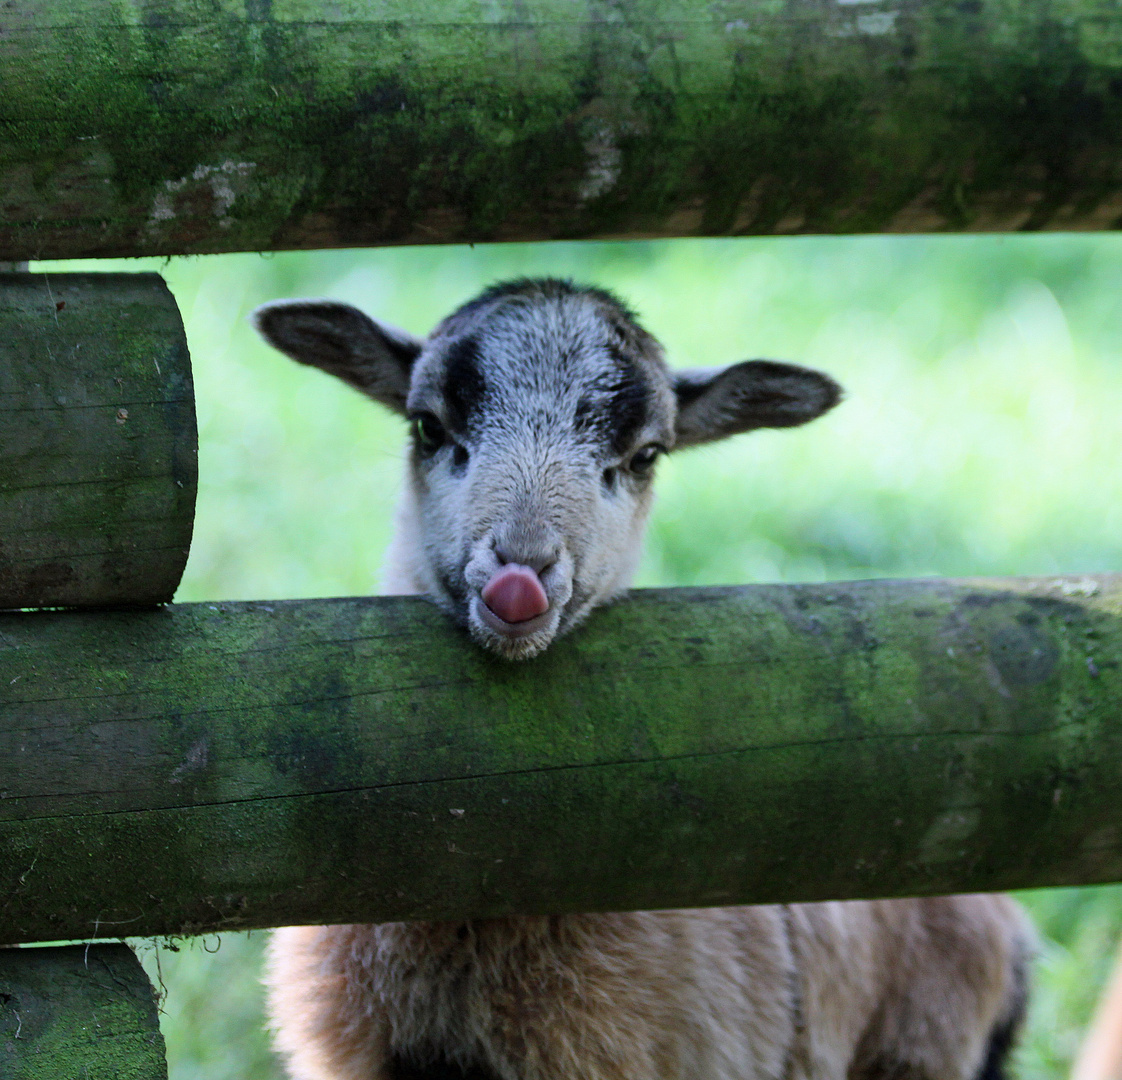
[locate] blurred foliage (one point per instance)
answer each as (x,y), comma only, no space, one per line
(980,435)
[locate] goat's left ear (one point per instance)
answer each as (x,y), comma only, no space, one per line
(373,357)
(714,403)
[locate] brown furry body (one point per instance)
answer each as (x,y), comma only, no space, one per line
(858,990)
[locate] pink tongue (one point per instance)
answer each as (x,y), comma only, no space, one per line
(515,594)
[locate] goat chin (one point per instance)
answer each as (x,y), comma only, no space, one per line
(512,641)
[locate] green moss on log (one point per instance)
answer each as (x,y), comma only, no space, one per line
(170,126)
(241,765)
(78,1013)
(98,449)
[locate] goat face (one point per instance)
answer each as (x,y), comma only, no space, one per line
(537,413)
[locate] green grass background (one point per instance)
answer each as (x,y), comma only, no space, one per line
(980,435)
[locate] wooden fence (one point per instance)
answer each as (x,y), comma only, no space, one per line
(147,127)
(185,768)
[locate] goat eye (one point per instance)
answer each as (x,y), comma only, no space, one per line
(429,433)
(643,459)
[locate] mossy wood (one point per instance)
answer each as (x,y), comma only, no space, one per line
(78,1013)
(168,126)
(98,450)
(240,765)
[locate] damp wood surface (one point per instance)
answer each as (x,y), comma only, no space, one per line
(98,445)
(78,1013)
(228,766)
(153,127)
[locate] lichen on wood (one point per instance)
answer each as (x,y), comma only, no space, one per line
(172,126)
(78,1013)
(230,766)
(98,448)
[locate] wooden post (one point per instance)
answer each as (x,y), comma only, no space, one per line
(78,1013)
(128,130)
(98,449)
(214,766)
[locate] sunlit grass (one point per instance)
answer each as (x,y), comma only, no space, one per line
(980,435)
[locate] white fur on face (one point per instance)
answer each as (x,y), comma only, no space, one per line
(545,400)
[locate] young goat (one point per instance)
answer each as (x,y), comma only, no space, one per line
(537,412)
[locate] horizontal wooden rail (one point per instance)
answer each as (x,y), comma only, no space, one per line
(135,129)
(239,765)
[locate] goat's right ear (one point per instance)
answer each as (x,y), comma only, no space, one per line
(372,357)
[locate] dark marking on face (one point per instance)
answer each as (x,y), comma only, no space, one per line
(628,402)
(618,407)
(587,419)
(464,385)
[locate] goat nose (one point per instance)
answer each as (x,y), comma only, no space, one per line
(536,561)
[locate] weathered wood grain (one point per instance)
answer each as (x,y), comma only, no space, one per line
(169,126)
(241,765)
(98,450)
(77,1013)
